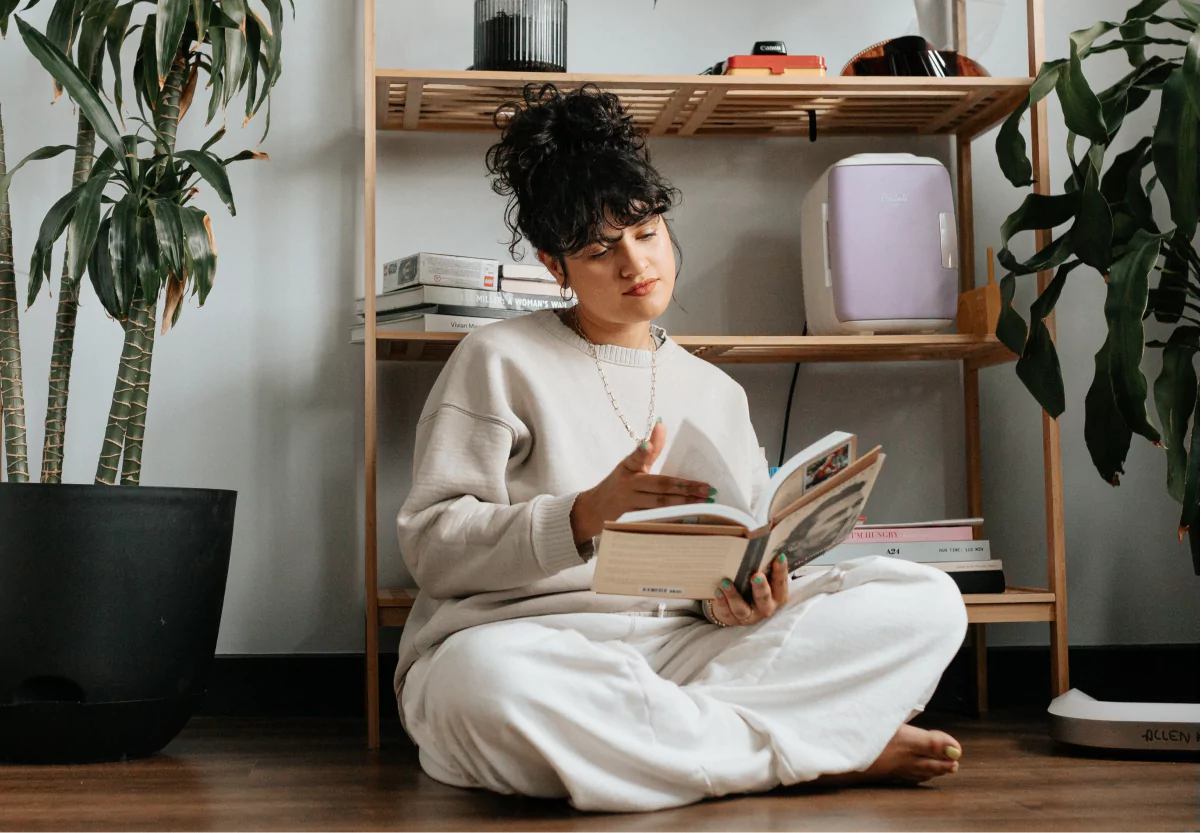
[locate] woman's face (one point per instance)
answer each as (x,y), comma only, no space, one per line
(627,278)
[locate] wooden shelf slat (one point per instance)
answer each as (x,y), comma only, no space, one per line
(1016,604)
(976,350)
(714,105)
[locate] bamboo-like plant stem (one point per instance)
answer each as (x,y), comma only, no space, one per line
(118,415)
(12,393)
(122,450)
(135,426)
(166,117)
(64,328)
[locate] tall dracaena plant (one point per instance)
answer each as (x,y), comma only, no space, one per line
(150,241)
(1115,231)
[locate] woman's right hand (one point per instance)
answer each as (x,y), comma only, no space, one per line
(630,487)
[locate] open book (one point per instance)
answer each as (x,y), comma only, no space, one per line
(811,504)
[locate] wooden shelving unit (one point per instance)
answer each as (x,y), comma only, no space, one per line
(701,106)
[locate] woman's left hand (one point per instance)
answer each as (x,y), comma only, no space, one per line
(768,596)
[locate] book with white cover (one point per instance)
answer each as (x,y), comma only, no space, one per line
(440,270)
(920,551)
(946,566)
(424,322)
(810,505)
(526,272)
(525,287)
(421,295)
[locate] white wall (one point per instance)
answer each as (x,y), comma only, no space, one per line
(260,392)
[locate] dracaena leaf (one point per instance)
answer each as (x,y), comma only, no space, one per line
(170,234)
(81,92)
(1105,432)
(1190,71)
(53,225)
(254,39)
(199,249)
(212,171)
(1010,145)
(1048,257)
(118,28)
(200,17)
(85,224)
(1039,370)
(1044,305)
(1113,183)
(1081,109)
(1092,233)
(170,16)
(47,152)
(1175,151)
(1039,211)
(1175,401)
(1011,328)
(1125,301)
(92,30)
(216,137)
(100,273)
(235,49)
(123,250)
(1188,515)
(150,272)
(1167,300)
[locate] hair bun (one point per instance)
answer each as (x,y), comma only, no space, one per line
(565,159)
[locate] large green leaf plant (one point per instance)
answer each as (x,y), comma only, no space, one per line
(128,218)
(1149,262)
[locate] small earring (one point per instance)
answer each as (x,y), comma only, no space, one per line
(563,290)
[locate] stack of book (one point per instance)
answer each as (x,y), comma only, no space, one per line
(950,546)
(429,292)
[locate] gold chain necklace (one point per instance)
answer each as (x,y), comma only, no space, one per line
(650,417)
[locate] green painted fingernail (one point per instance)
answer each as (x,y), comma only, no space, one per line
(658,420)
(782,558)
(710,500)
(712,492)
(719,593)
(758,579)
(644,446)
(725,582)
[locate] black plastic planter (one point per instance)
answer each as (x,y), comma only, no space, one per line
(110,602)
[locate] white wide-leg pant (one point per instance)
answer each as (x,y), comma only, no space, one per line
(632,713)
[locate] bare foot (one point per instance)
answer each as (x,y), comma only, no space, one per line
(912,756)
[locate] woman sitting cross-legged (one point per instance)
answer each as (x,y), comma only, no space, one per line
(514,676)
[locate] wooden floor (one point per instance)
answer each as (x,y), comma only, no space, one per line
(225,774)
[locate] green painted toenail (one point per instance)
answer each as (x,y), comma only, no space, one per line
(953,753)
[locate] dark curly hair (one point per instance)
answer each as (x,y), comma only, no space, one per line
(564,160)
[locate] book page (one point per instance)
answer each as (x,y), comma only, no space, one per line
(674,566)
(693,456)
(826,520)
(809,468)
(690,513)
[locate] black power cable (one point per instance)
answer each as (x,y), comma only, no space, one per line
(796,369)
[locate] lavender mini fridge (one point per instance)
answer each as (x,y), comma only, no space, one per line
(879,252)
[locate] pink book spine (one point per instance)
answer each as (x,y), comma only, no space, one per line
(910,534)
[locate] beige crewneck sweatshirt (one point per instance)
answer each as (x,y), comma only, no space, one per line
(517,425)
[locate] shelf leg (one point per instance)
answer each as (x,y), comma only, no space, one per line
(370,507)
(980,651)
(1052,450)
